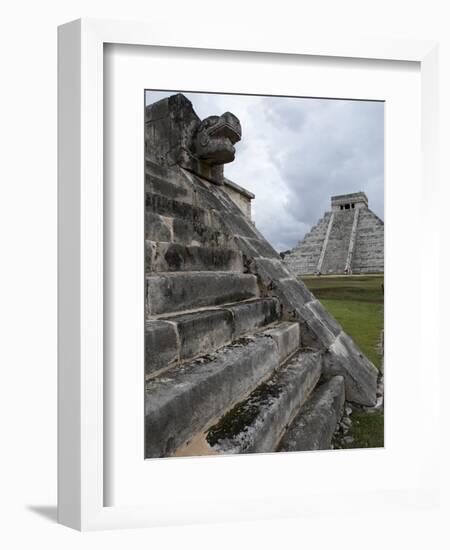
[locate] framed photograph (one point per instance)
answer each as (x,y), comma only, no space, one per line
(235,324)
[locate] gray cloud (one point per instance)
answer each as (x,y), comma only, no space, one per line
(296,153)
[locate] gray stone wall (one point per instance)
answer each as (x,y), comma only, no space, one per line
(240,196)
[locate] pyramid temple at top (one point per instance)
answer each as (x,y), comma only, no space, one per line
(348,239)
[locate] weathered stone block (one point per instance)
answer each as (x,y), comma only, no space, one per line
(184,399)
(203,332)
(323,327)
(346,359)
(312,429)
(254,425)
(172,292)
(195,233)
(158,170)
(178,257)
(270,270)
(161,346)
(292,294)
(249,316)
(157,228)
(287,338)
(320,312)
(175,209)
(170,187)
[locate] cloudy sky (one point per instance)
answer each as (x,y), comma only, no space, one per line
(296,153)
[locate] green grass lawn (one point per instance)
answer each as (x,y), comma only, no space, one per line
(357,303)
(367,430)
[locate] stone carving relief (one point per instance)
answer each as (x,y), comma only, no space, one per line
(215,137)
(175,135)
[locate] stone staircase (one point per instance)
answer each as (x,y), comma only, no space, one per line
(304,257)
(240,356)
(369,247)
(335,257)
(226,368)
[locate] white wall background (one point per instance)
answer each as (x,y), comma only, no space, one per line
(28,285)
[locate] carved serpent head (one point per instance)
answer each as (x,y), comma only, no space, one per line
(215,137)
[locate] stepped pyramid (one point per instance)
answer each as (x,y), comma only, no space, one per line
(348,238)
(239,355)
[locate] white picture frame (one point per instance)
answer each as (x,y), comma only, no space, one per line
(81,480)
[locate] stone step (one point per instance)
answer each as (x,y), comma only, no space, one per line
(256,424)
(371,227)
(367,262)
(287,338)
(183,400)
(164,256)
(252,315)
(313,427)
(169,183)
(170,292)
(174,339)
(366,246)
(375,238)
(170,173)
(369,259)
(181,231)
(168,207)
(196,233)
(367,256)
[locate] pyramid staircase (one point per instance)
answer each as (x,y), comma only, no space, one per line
(227,370)
(338,242)
(304,257)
